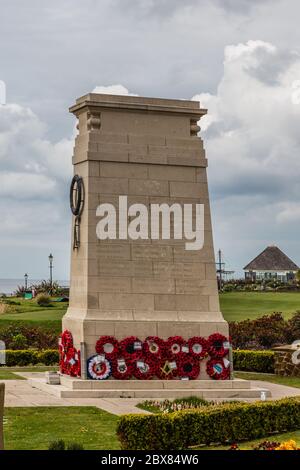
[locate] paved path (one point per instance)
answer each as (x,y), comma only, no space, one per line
(277,391)
(20,393)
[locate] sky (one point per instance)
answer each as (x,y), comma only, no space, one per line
(240,58)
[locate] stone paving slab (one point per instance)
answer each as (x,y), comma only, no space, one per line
(278,391)
(20,393)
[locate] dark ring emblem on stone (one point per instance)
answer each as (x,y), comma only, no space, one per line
(76,195)
(76,204)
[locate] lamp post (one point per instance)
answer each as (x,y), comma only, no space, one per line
(26,280)
(50,257)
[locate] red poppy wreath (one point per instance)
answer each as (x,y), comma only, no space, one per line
(188,366)
(218,369)
(174,346)
(107,345)
(131,348)
(121,369)
(167,369)
(154,347)
(198,347)
(218,345)
(144,369)
(66,339)
(69,357)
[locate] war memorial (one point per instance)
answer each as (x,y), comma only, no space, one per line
(144,318)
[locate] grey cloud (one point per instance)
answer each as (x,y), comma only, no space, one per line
(271,67)
(155,8)
(241,6)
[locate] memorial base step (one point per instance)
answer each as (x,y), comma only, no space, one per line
(236,389)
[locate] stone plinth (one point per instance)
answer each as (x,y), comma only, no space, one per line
(284,364)
(236,389)
(148,150)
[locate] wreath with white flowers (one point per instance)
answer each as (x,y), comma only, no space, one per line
(107,345)
(198,347)
(174,346)
(153,347)
(98,367)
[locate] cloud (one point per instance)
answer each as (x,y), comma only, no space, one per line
(34,177)
(289,212)
(240,6)
(252,142)
(113,90)
(26,185)
(157,8)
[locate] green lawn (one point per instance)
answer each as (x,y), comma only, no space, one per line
(276,379)
(8,373)
(33,428)
(237,306)
(29,313)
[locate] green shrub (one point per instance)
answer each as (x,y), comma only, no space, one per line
(48,357)
(57,445)
(254,361)
(61,445)
(265,332)
(36,337)
(19,341)
(261,333)
(230,422)
(43,300)
(74,446)
(31,357)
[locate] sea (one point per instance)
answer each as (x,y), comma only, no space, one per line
(9,286)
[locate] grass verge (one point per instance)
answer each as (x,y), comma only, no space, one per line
(276,379)
(34,428)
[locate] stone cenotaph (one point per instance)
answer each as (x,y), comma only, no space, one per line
(142,307)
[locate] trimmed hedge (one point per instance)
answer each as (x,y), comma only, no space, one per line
(28,357)
(214,424)
(254,361)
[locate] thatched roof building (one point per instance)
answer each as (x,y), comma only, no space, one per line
(271,263)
